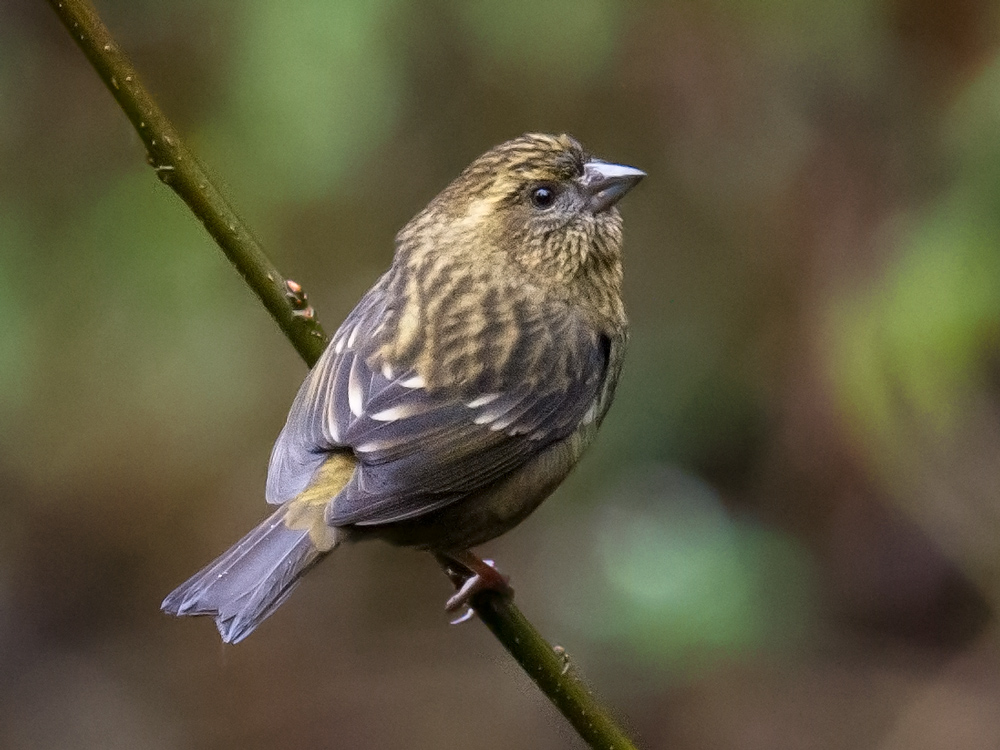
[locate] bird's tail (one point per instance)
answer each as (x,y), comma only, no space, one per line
(248,582)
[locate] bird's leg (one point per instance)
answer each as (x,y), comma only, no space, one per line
(471,575)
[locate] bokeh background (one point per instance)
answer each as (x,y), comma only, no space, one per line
(788,533)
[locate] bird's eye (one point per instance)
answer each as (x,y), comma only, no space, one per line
(543,197)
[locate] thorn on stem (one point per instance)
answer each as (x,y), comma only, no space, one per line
(564,658)
(298,300)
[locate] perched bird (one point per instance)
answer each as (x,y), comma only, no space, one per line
(459,392)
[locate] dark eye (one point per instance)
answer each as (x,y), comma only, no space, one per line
(543,197)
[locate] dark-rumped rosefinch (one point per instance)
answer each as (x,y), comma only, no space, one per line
(459,392)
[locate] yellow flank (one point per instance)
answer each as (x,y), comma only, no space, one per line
(306,511)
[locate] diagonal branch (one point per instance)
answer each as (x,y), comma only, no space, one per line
(285,300)
(177,168)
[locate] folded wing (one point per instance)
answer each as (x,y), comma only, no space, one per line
(420,445)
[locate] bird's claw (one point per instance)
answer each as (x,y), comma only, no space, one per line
(462,596)
(488,578)
(467,615)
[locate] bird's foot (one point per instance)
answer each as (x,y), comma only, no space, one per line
(482,576)
(489,579)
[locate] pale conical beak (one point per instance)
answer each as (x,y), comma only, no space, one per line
(606,183)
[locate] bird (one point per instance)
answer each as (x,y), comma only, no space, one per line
(459,392)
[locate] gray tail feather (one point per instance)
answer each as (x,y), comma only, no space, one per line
(247,583)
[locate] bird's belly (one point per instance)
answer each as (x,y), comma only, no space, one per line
(490,512)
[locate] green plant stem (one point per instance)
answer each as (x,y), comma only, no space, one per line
(551,670)
(177,168)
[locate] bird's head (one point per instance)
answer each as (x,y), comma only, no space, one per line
(539,203)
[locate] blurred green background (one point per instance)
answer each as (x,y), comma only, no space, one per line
(788,533)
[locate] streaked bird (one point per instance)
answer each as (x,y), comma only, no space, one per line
(458,393)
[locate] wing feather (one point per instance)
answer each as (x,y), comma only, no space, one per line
(421,448)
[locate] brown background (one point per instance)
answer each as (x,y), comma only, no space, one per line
(787,534)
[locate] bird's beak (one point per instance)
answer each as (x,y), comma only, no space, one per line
(606,183)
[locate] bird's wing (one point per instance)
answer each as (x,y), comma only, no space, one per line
(421,448)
